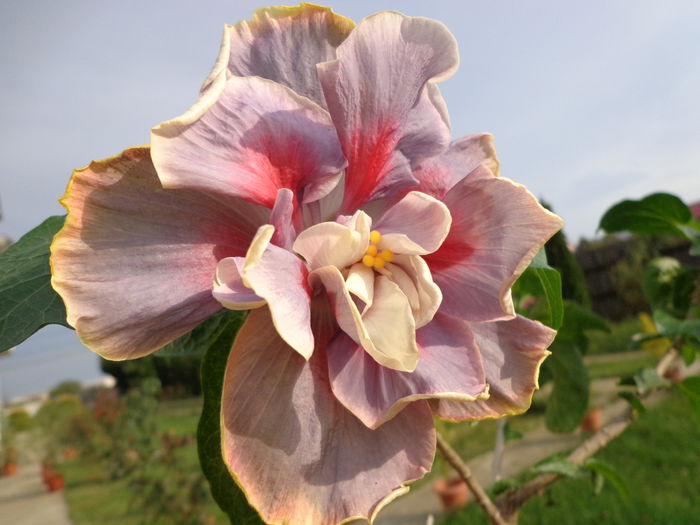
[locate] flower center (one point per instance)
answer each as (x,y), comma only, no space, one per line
(373,258)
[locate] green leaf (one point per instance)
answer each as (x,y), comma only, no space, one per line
(510,434)
(671,326)
(634,401)
(610,474)
(542,280)
(669,286)
(648,379)
(688,352)
(224,489)
(692,232)
(577,320)
(568,401)
(690,386)
(27,300)
(198,340)
(557,466)
(503,485)
(658,213)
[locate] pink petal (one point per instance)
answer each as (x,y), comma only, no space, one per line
(134,263)
(298,454)
(416,225)
(439,174)
(284,44)
(282,218)
(280,277)
(497,228)
(512,352)
(372,90)
(449,368)
(229,288)
(386,330)
(255,139)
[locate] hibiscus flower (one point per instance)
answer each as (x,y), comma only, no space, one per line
(314,183)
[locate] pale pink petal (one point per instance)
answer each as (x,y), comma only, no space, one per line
(386,330)
(135,263)
(406,283)
(391,327)
(512,352)
(439,174)
(299,455)
(379,78)
(497,228)
(360,282)
(429,294)
(416,225)
(449,368)
(284,44)
(334,244)
(229,288)
(280,278)
(424,141)
(257,138)
(282,217)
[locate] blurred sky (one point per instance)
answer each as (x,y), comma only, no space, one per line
(589,102)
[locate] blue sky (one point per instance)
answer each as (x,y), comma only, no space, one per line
(589,102)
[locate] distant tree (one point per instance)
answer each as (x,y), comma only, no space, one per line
(72,388)
(559,256)
(20,421)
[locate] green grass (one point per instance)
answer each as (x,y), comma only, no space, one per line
(94,498)
(621,368)
(618,340)
(659,458)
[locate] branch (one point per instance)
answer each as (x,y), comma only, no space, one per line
(510,503)
(463,470)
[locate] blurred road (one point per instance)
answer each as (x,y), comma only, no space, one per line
(25,501)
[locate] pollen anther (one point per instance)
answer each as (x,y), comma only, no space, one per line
(375,237)
(372,250)
(387,255)
(368,260)
(379,263)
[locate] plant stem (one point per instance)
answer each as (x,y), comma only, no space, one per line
(463,470)
(498,449)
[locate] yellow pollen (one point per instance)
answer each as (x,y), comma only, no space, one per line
(368,260)
(387,255)
(379,263)
(372,250)
(375,237)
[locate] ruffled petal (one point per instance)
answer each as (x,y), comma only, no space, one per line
(255,139)
(449,368)
(512,352)
(371,90)
(229,288)
(439,174)
(300,457)
(280,278)
(429,295)
(416,225)
(334,244)
(497,228)
(134,262)
(386,330)
(283,44)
